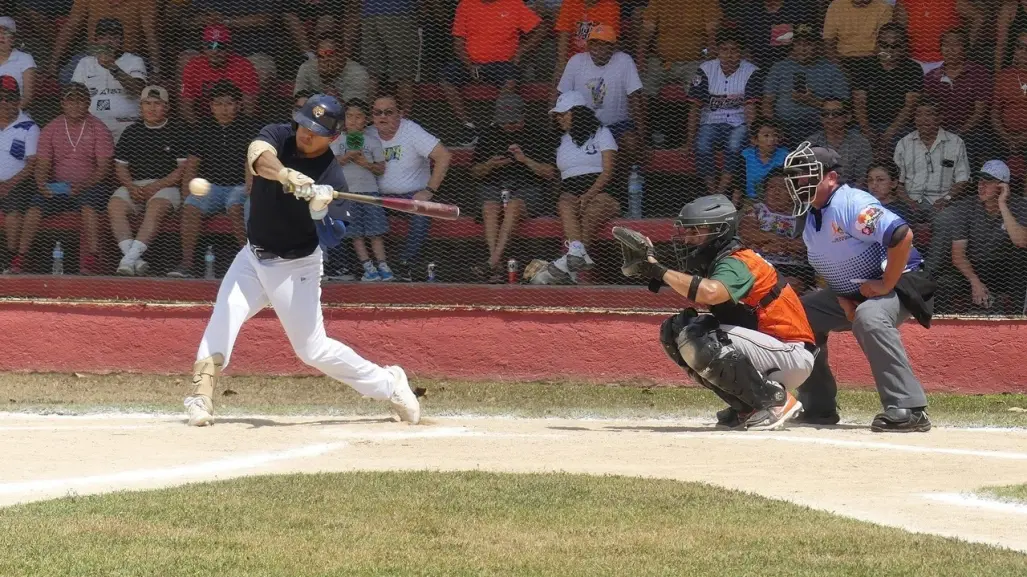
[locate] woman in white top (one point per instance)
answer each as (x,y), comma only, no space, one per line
(585,163)
(16,63)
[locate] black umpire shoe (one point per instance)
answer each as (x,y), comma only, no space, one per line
(817,419)
(896,420)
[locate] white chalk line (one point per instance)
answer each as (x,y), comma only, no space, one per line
(977,502)
(433,433)
(757,436)
(57,428)
(205,469)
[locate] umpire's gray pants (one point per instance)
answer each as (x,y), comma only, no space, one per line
(876,328)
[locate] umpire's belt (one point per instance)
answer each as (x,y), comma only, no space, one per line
(264,254)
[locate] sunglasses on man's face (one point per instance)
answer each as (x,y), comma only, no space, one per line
(889,45)
(325,53)
(832,113)
(380,112)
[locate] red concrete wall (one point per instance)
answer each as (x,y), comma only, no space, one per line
(958,356)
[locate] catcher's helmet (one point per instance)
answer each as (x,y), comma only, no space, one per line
(716,212)
(322,114)
(805,168)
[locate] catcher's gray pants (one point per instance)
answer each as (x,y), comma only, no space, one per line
(786,363)
(876,328)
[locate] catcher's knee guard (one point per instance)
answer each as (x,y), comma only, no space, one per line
(710,353)
(206,373)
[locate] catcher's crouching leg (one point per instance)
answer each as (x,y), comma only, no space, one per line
(199,405)
(710,353)
(670,330)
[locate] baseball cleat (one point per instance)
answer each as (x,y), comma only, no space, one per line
(404,403)
(200,410)
(773,418)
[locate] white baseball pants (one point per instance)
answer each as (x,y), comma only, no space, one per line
(293,288)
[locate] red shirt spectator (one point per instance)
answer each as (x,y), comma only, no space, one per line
(926,21)
(74,150)
(217,63)
(961,88)
(492,29)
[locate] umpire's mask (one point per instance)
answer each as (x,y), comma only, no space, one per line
(804,170)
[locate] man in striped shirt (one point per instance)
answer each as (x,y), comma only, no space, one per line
(723,94)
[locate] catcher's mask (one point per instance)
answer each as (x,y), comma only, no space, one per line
(805,168)
(702,229)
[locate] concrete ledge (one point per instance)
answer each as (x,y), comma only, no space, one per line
(463,343)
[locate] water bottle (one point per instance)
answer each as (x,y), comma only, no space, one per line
(58,259)
(505,197)
(208,259)
(636,186)
(431,272)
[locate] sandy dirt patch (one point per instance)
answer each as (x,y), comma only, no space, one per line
(915,482)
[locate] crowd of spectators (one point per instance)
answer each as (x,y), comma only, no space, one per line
(925,101)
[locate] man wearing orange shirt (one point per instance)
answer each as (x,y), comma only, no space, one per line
(575,20)
(927,20)
(1009,110)
(488,47)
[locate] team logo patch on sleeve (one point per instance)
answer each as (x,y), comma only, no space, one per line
(867,219)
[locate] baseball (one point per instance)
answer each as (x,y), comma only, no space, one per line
(199,186)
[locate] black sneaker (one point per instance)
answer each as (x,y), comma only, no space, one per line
(403,272)
(819,419)
(895,420)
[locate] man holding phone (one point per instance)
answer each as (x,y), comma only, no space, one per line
(508,188)
(114,78)
(797,87)
(989,245)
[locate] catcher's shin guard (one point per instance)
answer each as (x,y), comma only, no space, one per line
(669,332)
(717,361)
(206,373)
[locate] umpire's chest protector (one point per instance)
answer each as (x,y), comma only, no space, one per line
(772,307)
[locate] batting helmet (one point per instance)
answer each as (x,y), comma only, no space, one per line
(322,114)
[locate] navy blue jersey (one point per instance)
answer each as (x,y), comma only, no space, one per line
(280,222)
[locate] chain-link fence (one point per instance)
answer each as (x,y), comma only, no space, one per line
(110,108)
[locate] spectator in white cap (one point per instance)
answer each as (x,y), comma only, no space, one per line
(585,163)
(16,63)
(148,164)
(989,245)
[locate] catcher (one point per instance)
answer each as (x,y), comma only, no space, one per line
(755,343)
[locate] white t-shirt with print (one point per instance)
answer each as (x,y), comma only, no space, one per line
(609,86)
(779,224)
(573,160)
(16,65)
(110,103)
(358,178)
(407,166)
(18,141)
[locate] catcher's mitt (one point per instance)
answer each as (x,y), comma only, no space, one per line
(637,250)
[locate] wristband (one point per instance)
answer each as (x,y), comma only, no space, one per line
(693,288)
(656,271)
(431,190)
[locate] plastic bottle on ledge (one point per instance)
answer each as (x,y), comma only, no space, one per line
(58,259)
(636,190)
(208,260)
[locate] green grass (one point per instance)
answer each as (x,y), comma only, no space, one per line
(468,523)
(1015,493)
(319,395)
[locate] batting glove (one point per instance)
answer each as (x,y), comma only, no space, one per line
(322,195)
(296,182)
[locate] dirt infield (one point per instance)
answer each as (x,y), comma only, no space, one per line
(916,482)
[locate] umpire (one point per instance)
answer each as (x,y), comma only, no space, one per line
(755,343)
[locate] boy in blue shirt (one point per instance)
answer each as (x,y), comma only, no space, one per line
(875,281)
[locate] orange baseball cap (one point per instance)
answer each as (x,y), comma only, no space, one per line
(603,33)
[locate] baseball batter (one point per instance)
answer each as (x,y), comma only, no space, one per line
(755,343)
(282,262)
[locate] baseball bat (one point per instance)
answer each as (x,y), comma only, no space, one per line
(412,206)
